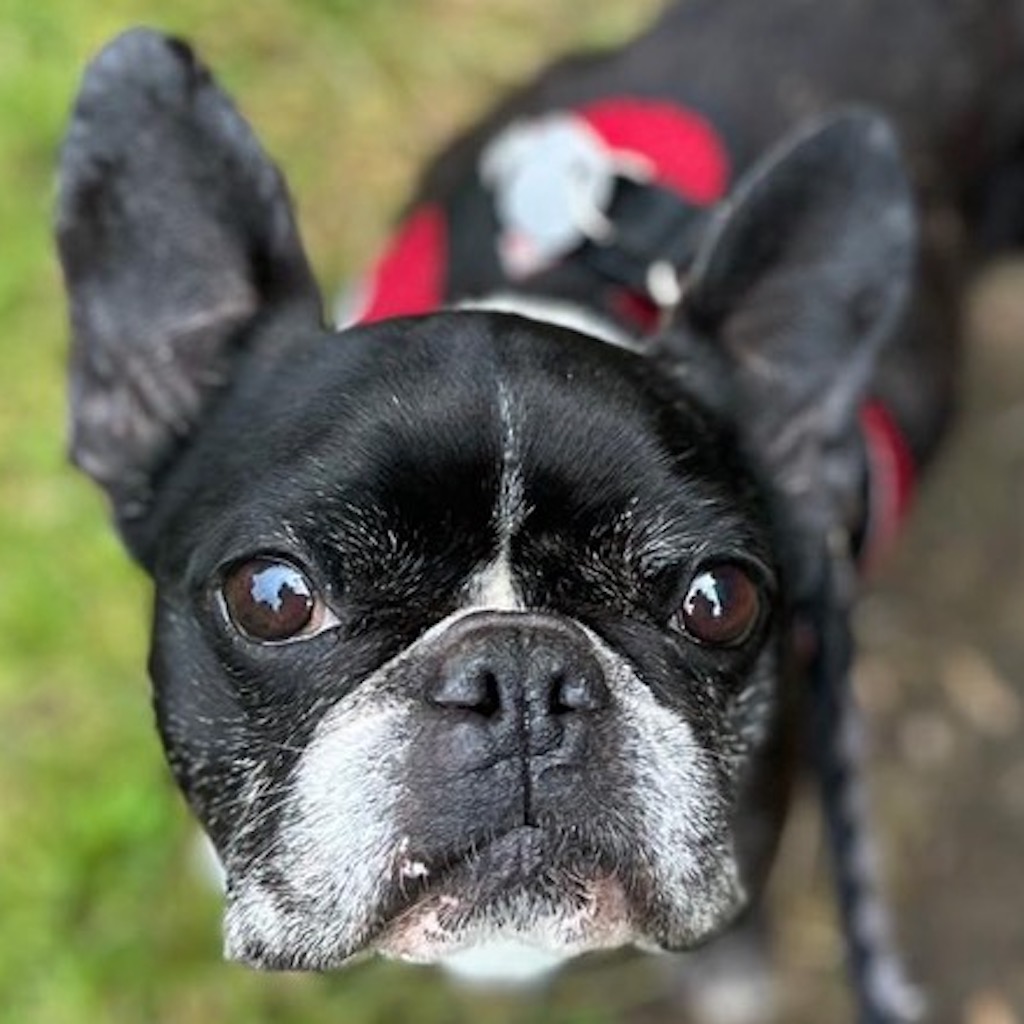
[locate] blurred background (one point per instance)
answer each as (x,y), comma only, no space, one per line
(104,914)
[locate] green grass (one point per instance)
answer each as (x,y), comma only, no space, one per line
(103,916)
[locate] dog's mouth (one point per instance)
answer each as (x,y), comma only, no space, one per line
(558,890)
(530,886)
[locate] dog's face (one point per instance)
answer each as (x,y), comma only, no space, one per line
(469,634)
(468,627)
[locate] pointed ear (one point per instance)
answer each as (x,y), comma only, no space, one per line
(802,277)
(175,233)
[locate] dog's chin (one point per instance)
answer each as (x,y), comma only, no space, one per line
(514,891)
(543,890)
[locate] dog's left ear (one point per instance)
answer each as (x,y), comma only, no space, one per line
(801,278)
(176,237)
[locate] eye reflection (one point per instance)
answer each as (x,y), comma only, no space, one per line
(269,600)
(704,589)
(721,607)
(276,584)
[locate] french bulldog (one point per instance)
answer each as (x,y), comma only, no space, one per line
(500,614)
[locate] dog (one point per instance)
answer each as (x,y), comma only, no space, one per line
(502,615)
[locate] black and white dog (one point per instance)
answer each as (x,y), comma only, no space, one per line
(495,616)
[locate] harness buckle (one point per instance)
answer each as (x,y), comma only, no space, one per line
(559,189)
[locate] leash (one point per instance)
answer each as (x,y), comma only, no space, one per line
(881,989)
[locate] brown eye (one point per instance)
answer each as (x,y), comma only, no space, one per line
(271,600)
(721,607)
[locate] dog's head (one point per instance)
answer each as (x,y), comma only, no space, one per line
(467,626)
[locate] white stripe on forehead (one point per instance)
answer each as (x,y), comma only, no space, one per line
(494,586)
(510,510)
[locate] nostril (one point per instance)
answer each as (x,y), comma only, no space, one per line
(468,688)
(577,691)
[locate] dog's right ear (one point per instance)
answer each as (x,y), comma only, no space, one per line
(800,282)
(175,233)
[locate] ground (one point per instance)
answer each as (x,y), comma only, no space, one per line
(103,915)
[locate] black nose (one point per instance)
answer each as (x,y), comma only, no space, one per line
(532,665)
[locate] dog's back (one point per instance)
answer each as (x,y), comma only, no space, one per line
(949,76)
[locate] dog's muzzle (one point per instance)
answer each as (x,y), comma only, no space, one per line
(506,778)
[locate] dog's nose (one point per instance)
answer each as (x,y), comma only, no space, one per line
(518,663)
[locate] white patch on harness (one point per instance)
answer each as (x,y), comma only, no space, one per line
(552,178)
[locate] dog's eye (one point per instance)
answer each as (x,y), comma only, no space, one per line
(271,600)
(722,606)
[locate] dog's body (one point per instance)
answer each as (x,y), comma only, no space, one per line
(471,627)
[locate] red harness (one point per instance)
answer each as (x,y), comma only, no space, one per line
(679,151)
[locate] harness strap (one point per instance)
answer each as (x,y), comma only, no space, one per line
(649,227)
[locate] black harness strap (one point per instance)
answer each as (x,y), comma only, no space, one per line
(647,227)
